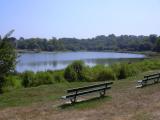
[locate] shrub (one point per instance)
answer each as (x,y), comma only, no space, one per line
(88,74)
(94,72)
(59,78)
(78,67)
(75,71)
(106,74)
(11,82)
(42,78)
(69,74)
(27,78)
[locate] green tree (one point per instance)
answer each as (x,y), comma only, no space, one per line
(7,58)
(157,46)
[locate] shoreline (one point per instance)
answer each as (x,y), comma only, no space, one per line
(148,54)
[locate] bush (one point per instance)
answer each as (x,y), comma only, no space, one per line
(87,74)
(106,74)
(42,78)
(69,74)
(59,78)
(27,78)
(78,67)
(93,72)
(75,71)
(12,82)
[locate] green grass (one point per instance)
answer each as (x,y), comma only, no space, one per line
(53,92)
(41,94)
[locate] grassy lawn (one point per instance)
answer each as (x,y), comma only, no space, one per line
(44,93)
(123,101)
(50,93)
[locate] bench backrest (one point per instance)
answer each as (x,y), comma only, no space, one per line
(153,75)
(89,87)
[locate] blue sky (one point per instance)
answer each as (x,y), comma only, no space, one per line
(79,18)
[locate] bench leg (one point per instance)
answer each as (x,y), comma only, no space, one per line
(156,81)
(73,100)
(102,93)
(144,84)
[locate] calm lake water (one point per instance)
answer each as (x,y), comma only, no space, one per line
(59,60)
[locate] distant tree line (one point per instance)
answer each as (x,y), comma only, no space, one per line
(98,43)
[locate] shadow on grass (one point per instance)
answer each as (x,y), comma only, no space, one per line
(86,103)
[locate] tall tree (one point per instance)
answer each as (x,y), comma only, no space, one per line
(7,58)
(157,46)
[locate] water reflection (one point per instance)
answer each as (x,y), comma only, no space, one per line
(59,60)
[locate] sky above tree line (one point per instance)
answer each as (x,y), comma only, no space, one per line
(79,18)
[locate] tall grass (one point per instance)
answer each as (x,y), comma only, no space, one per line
(12,82)
(80,73)
(31,79)
(121,70)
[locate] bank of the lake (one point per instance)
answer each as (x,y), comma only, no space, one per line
(79,71)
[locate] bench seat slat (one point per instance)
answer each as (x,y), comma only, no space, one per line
(86,92)
(88,87)
(144,80)
(153,78)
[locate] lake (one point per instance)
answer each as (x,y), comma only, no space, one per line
(59,60)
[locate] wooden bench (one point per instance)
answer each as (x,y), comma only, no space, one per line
(73,93)
(149,79)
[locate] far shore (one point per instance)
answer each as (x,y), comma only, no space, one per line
(146,53)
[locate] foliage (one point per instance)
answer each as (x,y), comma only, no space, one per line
(7,57)
(75,71)
(69,74)
(59,78)
(106,74)
(27,78)
(42,78)
(11,82)
(157,45)
(99,43)
(30,79)
(78,67)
